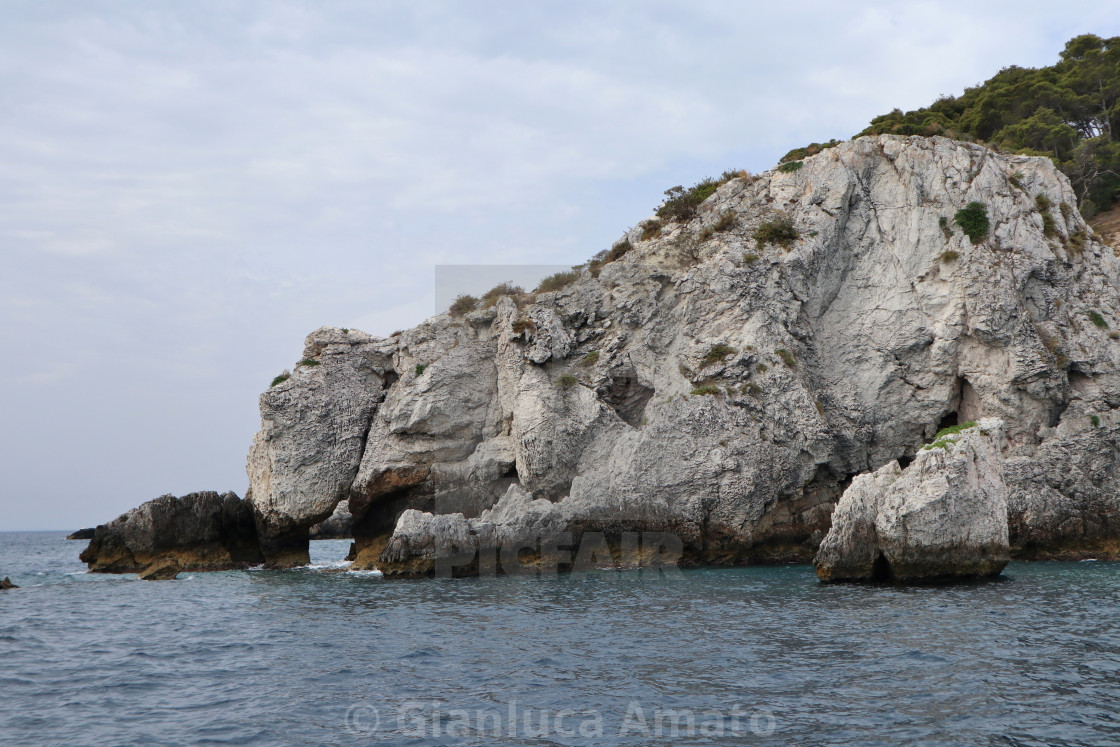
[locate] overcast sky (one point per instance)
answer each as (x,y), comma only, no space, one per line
(189,188)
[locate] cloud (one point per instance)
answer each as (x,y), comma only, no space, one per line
(191,188)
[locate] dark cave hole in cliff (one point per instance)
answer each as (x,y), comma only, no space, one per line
(905,461)
(948,421)
(881,569)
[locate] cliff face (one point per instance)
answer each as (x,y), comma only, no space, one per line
(607,406)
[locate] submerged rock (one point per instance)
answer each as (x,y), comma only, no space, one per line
(82,534)
(944,516)
(6,583)
(199,531)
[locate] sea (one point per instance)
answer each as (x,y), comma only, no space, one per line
(761,655)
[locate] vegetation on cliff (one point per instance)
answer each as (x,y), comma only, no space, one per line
(1069,111)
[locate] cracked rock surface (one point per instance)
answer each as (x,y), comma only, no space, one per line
(610,406)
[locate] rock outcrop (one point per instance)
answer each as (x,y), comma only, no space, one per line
(944,516)
(338,525)
(313,434)
(198,532)
(164,569)
(6,583)
(723,378)
(81,534)
(724,389)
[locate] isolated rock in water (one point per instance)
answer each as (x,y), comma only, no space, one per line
(81,534)
(337,526)
(200,531)
(943,516)
(6,583)
(165,569)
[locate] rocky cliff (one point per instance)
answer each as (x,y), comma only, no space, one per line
(706,381)
(709,387)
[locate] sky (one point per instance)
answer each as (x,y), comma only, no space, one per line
(189,189)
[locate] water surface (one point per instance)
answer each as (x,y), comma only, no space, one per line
(763,655)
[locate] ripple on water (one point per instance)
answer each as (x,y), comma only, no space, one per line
(266,657)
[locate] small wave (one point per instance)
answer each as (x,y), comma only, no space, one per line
(374,573)
(334,566)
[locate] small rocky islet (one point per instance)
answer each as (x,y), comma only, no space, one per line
(894,357)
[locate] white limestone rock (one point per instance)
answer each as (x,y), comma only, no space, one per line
(944,516)
(850,348)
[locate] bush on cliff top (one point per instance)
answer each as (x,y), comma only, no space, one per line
(1069,111)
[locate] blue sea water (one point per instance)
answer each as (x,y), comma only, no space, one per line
(765,655)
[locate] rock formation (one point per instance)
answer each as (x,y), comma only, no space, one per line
(944,516)
(164,569)
(200,531)
(723,377)
(6,583)
(338,525)
(704,382)
(81,534)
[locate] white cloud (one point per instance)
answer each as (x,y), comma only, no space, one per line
(191,188)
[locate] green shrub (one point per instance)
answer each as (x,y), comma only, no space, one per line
(717,354)
(762,368)
(753,390)
(791,166)
(734,174)
(590,359)
(953,430)
(280,379)
(943,443)
(566,381)
(1098,320)
(727,221)
(973,220)
(1096,421)
(1049,227)
(618,250)
(946,229)
(463,304)
(1016,179)
(490,297)
(651,229)
(701,391)
(557,281)
(308,362)
(420,368)
(749,258)
(680,204)
(949,256)
(524,325)
(809,150)
(398,333)
(787,357)
(1076,244)
(345,330)
(1066,210)
(780,231)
